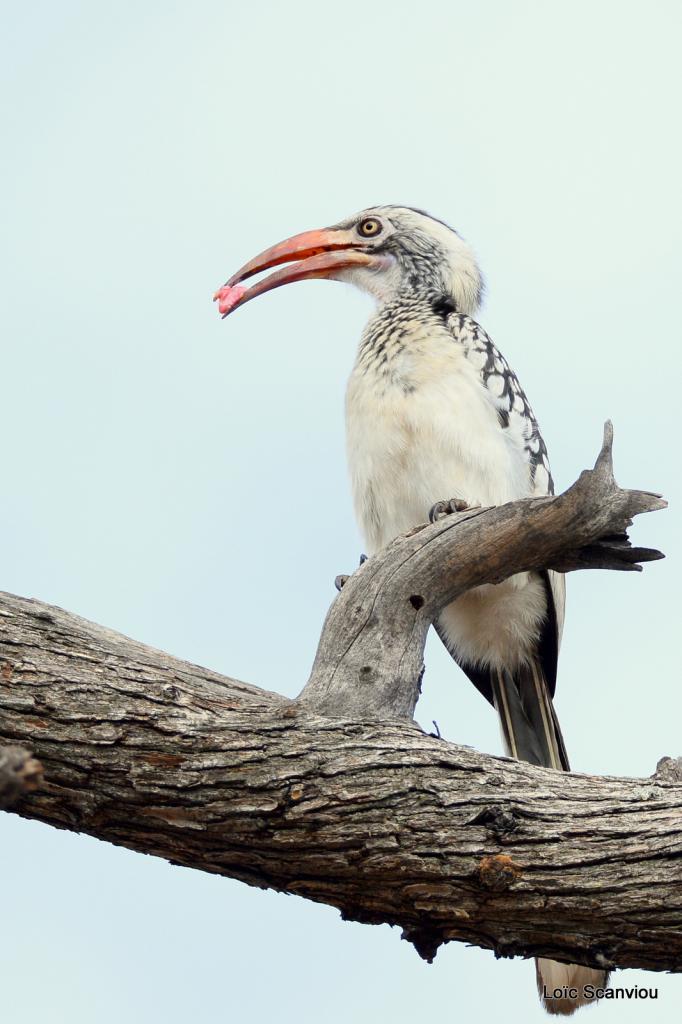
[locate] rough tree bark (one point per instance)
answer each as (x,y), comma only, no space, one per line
(338,796)
(20,773)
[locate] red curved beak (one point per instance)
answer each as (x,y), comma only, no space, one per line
(316,254)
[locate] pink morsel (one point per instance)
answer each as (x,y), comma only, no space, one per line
(228,297)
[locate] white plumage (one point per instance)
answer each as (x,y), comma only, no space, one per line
(425,430)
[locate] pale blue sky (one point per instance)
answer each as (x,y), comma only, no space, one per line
(183,480)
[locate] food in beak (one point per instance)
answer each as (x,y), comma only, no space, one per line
(227,297)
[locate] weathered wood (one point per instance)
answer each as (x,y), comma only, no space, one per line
(368,815)
(370,655)
(20,773)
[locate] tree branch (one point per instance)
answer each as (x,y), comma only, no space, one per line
(339,796)
(20,773)
(370,656)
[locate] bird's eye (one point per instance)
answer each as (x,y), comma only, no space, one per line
(370,227)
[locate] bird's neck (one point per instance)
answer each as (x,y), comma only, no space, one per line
(396,318)
(401,339)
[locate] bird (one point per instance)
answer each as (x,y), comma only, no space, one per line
(436,419)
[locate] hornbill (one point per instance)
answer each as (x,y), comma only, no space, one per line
(433,413)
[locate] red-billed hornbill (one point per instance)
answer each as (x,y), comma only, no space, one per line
(433,411)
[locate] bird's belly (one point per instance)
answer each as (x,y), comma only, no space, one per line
(408,450)
(496,626)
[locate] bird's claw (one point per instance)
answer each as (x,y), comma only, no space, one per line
(446,508)
(342,579)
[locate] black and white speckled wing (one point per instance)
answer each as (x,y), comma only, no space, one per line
(513,408)
(516,415)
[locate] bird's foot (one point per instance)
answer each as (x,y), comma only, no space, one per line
(446,508)
(342,579)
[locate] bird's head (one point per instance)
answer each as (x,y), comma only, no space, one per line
(389,251)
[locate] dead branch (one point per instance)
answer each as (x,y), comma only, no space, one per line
(338,796)
(20,773)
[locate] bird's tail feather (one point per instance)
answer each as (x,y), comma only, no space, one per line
(553,977)
(530,730)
